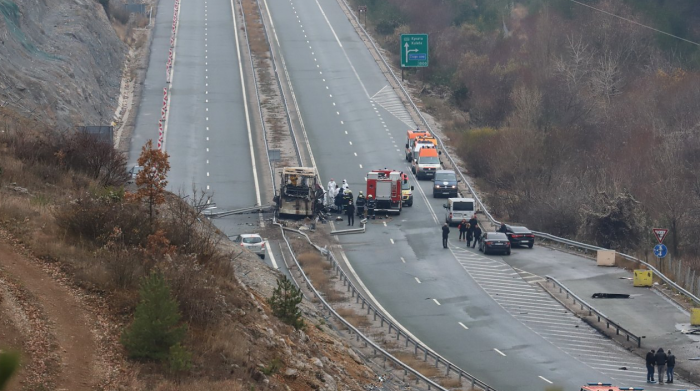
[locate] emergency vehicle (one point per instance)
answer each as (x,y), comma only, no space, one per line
(411,136)
(426,162)
(385,187)
(607,387)
(406,191)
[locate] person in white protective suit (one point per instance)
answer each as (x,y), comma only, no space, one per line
(345,185)
(332,189)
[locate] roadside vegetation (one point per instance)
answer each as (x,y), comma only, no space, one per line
(571,121)
(180,312)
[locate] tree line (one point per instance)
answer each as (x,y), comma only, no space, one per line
(572,121)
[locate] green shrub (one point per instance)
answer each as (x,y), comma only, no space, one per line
(179,360)
(155,330)
(285,303)
(9,363)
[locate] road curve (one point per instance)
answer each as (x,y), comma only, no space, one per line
(468,309)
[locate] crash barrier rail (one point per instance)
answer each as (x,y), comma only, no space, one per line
(428,354)
(256,208)
(480,204)
(257,98)
(591,310)
(349,231)
(670,283)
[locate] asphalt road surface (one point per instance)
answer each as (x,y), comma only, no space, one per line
(474,310)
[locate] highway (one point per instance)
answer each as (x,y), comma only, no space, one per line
(476,311)
(207,132)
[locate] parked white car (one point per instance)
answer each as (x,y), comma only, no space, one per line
(252,242)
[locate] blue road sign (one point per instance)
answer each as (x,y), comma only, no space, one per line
(660,250)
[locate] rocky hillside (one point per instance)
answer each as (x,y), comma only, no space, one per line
(60,61)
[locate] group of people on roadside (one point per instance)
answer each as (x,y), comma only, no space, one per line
(664,363)
(469,231)
(342,199)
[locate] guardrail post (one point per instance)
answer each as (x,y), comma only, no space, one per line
(425,357)
(390,327)
(407,339)
(639,342)
(368,309)
(384,363)
(375,316)
(473,382)
(448,369)
(398,334)
(617,332)
(363,304)
(415,350)
(437,361)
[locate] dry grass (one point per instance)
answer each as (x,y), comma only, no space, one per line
(419,365)
(353,317)
(450,382)
(316,267)
(228,343)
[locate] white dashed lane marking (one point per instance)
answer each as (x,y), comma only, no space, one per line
(515,291)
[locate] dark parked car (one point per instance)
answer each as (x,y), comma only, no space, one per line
(520,236)
(494,242)
(445,184)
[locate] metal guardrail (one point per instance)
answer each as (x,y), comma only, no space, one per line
(481,205)
(592,310)
(379,315)
(256,208)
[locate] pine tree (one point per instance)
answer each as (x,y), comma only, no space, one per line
(285,302)
(9,363)
(155,328)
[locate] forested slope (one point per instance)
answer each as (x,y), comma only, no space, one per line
(574,122)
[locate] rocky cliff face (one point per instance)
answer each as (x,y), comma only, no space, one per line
(60,61)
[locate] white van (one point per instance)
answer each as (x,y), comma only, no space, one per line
(457,209)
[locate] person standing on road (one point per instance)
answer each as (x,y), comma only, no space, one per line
(503,228)
(651,360)
(463,230)
(670,363)
(351,213)
(445,234)
(338,202)
(477,235)
(661,359)
(370,207)
(332,188)
(360,204)
(470,234)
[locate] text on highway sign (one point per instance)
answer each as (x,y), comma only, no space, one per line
(660,234)
(414,50)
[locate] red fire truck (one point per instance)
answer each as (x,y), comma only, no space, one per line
(385,187)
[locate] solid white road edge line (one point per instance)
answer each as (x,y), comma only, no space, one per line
(245,105)
(379,306)
(272,256)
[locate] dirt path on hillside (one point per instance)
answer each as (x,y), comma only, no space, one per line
(70,337)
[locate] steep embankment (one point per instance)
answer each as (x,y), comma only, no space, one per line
(60,61)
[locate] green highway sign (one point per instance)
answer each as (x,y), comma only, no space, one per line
(414,50)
